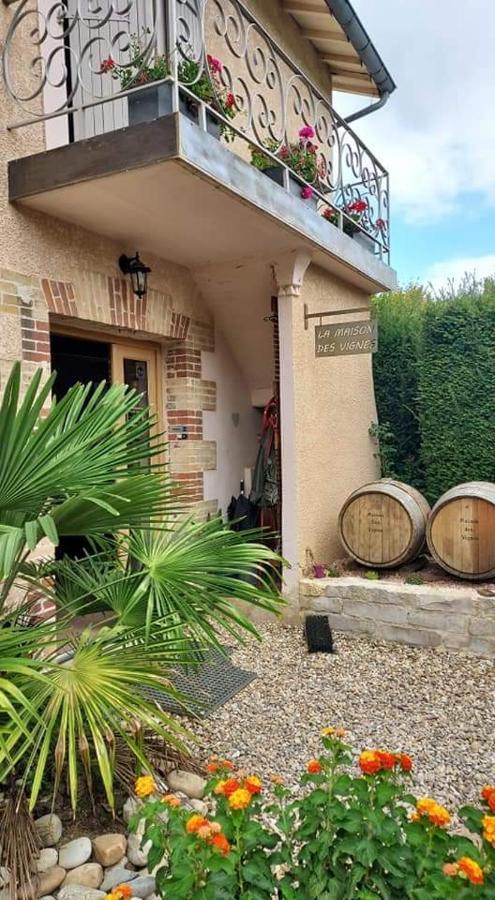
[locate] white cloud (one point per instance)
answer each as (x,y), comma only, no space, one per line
(436,135)
(441,274)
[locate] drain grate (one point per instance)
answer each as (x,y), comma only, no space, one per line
(205,688)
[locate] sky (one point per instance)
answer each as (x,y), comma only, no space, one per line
(436,135)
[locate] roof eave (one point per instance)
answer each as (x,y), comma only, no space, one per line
(351,24)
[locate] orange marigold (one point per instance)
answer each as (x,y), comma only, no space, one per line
(369,762)
(240,799)
(406,762)
(491,802)
(314,767)
(220,842)
(230,786)
(488,823)
(204,832)
(195,822)
(145,786)
(487,790)
(439,816)
(253,784)
(215,764)
(121,892)
(450,869)
(171,800)
(387,760)
(470,870)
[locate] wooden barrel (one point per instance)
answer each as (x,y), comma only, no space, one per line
(461,530)
(383,524)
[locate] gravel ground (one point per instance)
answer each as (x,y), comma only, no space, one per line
(437,705)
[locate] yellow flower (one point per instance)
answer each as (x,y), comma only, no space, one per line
(240,799)
(145,786)
(336,732)
(488,823)
(220,786)
(327,732)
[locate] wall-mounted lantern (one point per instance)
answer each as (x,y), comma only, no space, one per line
(132,265)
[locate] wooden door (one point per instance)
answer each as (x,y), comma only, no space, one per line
(137,365)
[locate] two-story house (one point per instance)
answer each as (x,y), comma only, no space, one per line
(200,133)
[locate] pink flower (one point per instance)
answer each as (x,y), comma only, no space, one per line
(307,192)
(283,152)
(307,132)
(381,224)
(107,65)
(215,65)
(230,101)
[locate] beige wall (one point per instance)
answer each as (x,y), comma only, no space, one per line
(333,409)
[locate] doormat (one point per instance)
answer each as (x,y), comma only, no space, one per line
(204,688)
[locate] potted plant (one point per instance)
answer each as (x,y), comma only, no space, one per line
(155,101)
(301,157)
(207,87)
(352,222)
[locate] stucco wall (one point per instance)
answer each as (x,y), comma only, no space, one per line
(334,407)
(234,426)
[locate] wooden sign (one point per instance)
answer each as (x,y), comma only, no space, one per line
(346,339)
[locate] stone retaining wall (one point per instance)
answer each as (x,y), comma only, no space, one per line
(422,615)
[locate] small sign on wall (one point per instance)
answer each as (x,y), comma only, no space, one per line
(347,338)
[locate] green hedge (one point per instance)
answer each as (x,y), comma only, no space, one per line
(435,387)
(396,373)
(456,396)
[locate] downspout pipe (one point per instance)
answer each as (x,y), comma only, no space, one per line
(366,110)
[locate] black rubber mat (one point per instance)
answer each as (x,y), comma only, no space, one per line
(204,687)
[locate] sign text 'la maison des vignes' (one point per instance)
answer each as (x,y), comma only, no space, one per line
(346,339)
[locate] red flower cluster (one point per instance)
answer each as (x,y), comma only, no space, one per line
(107,65)
(373,761)
(357,206)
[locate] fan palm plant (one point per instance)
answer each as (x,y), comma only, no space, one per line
(87,465)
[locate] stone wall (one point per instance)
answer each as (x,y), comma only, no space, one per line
(458,618)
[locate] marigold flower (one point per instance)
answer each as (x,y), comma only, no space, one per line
(215,764)
(470,869)
(171,800)
(387,760)
(204,832)
(436,813)
(122,892)
(195,822)
(405,762)
(313,767)
(369,762)
(488,823)
(145,786)
(450,869)
(240,799)
(253,784)
(218,789)
(487,790)
(215,827)
(231,785)
(220,842)
(491,802)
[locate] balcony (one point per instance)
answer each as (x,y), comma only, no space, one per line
(154,116)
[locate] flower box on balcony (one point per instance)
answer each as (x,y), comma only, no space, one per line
(364,240)
(190,109)
(150,103)
(296,187)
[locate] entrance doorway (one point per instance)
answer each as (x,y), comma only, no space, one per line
(83,357)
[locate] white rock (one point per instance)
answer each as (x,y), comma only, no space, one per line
(131,806)
(199,806)
(49,829)
(80,892)
(137,855)
(117,875)
(89,874)
(187,782)
(75,853)
(143,886)
(47,858)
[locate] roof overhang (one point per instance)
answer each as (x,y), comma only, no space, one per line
(344,45)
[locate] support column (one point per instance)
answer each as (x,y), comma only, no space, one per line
(289,273)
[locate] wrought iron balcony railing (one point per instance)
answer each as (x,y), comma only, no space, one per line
(80,65)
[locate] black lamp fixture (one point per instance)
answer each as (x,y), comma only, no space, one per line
(132,265)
